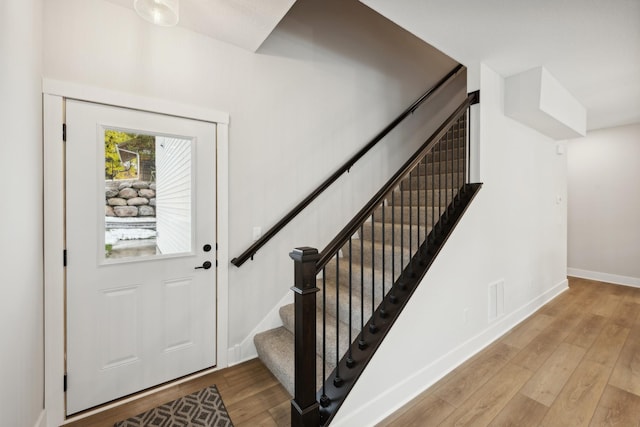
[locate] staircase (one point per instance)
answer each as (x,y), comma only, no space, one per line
(366,276)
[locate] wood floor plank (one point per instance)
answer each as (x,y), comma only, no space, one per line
(489,400)
(520,411)
(262,419)
(546,383)
(606,348)
(626,314)
(244,410)
(458,386)
(617,408)
(608,305)
(538,350)
(430,410)
(586,332)
(626,373)
(281,414)
(577,401)
(524,333)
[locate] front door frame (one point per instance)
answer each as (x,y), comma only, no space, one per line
(54,95)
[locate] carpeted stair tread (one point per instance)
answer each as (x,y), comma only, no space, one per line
(275,350)
(343,292)
(373,253)
(370,277)
(287,314)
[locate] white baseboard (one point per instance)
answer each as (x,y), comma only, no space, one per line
(403,392)
(604,277)
(42,419)
(246,350)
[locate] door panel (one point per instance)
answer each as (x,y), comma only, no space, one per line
(140,206)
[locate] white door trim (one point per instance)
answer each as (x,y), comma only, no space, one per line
(54,94)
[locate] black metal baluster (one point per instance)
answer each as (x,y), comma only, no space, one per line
(426,201)
(362,344)
(393,297)
(446,171)
(440,182)
(418,207)
(350,361)
(372,326)
(337,381)
(461,141)
(402,231)
(433,190)
(383,311)
(410,224)
(324,399)
(468,153)
(453,160)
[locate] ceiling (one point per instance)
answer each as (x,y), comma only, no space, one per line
(592,47)
(244,23)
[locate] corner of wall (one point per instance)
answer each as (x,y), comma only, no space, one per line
(246,350)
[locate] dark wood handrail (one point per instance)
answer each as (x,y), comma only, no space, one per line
(251,250)
(343,236)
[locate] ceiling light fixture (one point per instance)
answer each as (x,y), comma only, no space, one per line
(160,12)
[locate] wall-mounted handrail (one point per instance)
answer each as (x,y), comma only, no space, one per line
(251,250)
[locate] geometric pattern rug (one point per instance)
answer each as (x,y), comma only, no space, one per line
(203,408)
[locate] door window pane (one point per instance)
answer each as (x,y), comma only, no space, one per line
(148,195)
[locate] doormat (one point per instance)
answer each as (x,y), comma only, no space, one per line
(202,408)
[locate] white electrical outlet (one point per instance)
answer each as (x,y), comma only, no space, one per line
(257,233)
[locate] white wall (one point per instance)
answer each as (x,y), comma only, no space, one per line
(21,303)
(604,205)
(514,231)
(331,75)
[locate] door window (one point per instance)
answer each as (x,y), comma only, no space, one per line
(148,195)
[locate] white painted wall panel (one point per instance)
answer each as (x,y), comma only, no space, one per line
(21,304)
(604,205)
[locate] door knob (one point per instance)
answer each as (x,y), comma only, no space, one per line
(206,265)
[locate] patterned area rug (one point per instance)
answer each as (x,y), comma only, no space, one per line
(202,408)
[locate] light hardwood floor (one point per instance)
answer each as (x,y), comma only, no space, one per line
(575,362)
(251,394)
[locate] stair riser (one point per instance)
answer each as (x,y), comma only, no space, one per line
(362,282)
(451,141)
(407,215)
(440,167)
(450,180)
(392,233)
(374,258)
(446,155)
(355,312)
(427,198)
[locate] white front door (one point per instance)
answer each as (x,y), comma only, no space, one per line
(140,227)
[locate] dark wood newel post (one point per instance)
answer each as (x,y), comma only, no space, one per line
(304,406)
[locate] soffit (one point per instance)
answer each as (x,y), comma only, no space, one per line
(592,47)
